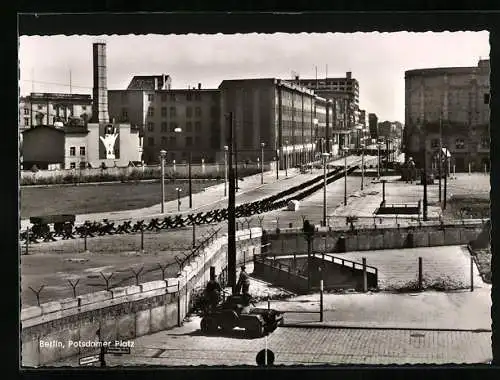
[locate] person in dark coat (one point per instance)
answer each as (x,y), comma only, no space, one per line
(244,282)
(212,293)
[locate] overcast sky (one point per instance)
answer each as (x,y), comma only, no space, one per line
(377,60)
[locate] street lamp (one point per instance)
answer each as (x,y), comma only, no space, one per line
(277,160)
(378,162)
(345,175)
(325,157)
(163,153)
(178,189)
(262,145)
(225,169)
(362,146)
(190,182)
(286,158)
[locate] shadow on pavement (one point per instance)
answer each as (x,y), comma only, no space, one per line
(233,334)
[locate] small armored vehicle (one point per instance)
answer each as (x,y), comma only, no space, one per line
(239,311)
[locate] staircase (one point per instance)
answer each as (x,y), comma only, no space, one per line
(302,273)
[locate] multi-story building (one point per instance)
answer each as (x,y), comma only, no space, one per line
(344,93)
(80,146)
(182,122)
(451,104)
(290,119)
(48,108)
(373,125)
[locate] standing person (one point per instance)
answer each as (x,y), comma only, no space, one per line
(212,292)
(243,282)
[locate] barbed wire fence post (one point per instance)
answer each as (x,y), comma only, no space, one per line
(37,293)
(73,286)
(106,279)
(137,274)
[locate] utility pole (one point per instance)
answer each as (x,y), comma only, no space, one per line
(190,180)
(362,166)
(439,155)
(345,178)
(231,220)
(425,187)
(445,177)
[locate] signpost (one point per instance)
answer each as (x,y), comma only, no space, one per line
(89,360)
(117,350)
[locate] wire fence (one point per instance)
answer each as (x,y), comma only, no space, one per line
(125,276)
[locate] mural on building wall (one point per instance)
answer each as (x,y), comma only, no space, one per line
(109,135)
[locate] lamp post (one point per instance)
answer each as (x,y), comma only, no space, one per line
(378,161)
(345,175)
(179,130)
(277,159)
(262,145)
(315,122)
(325,157)
(163,153)
(225,169)
(178,189)
(286,158)
(362,165)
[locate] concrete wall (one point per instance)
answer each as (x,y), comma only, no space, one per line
(291,240)
(125,312)
(179,170)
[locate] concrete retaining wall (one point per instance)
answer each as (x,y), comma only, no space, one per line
(428,234)
(126,312)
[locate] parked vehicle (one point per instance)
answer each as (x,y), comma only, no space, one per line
(239,311)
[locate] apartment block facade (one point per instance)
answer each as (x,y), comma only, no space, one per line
(48,108)
(451,104)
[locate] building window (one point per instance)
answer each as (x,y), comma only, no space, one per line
(197,126)
(189,112)
(163,97)
(72,165)
(124,113)
(82,151)
(151,97)
(197,96)
(83,164)
(151,111)
(163,111)
(485,142)
(163,141)
(460,143)
(27,121)
(173,125)
(173,112)
(189,126)
(188,96)
(26,111)
(486,98)
(151,126)
(197,141)
(172,97)
(164,127)
(189,141)
(151,141)
(173,141)
(435,143)
(72,151)
(197,111)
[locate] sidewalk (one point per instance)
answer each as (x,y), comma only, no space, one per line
(364,203)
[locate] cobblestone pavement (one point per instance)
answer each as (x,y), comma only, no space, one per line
(186,346)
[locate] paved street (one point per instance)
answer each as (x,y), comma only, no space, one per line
(186,346)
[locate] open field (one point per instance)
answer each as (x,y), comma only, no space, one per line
(87,199)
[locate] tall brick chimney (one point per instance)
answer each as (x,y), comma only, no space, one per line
(100,88)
